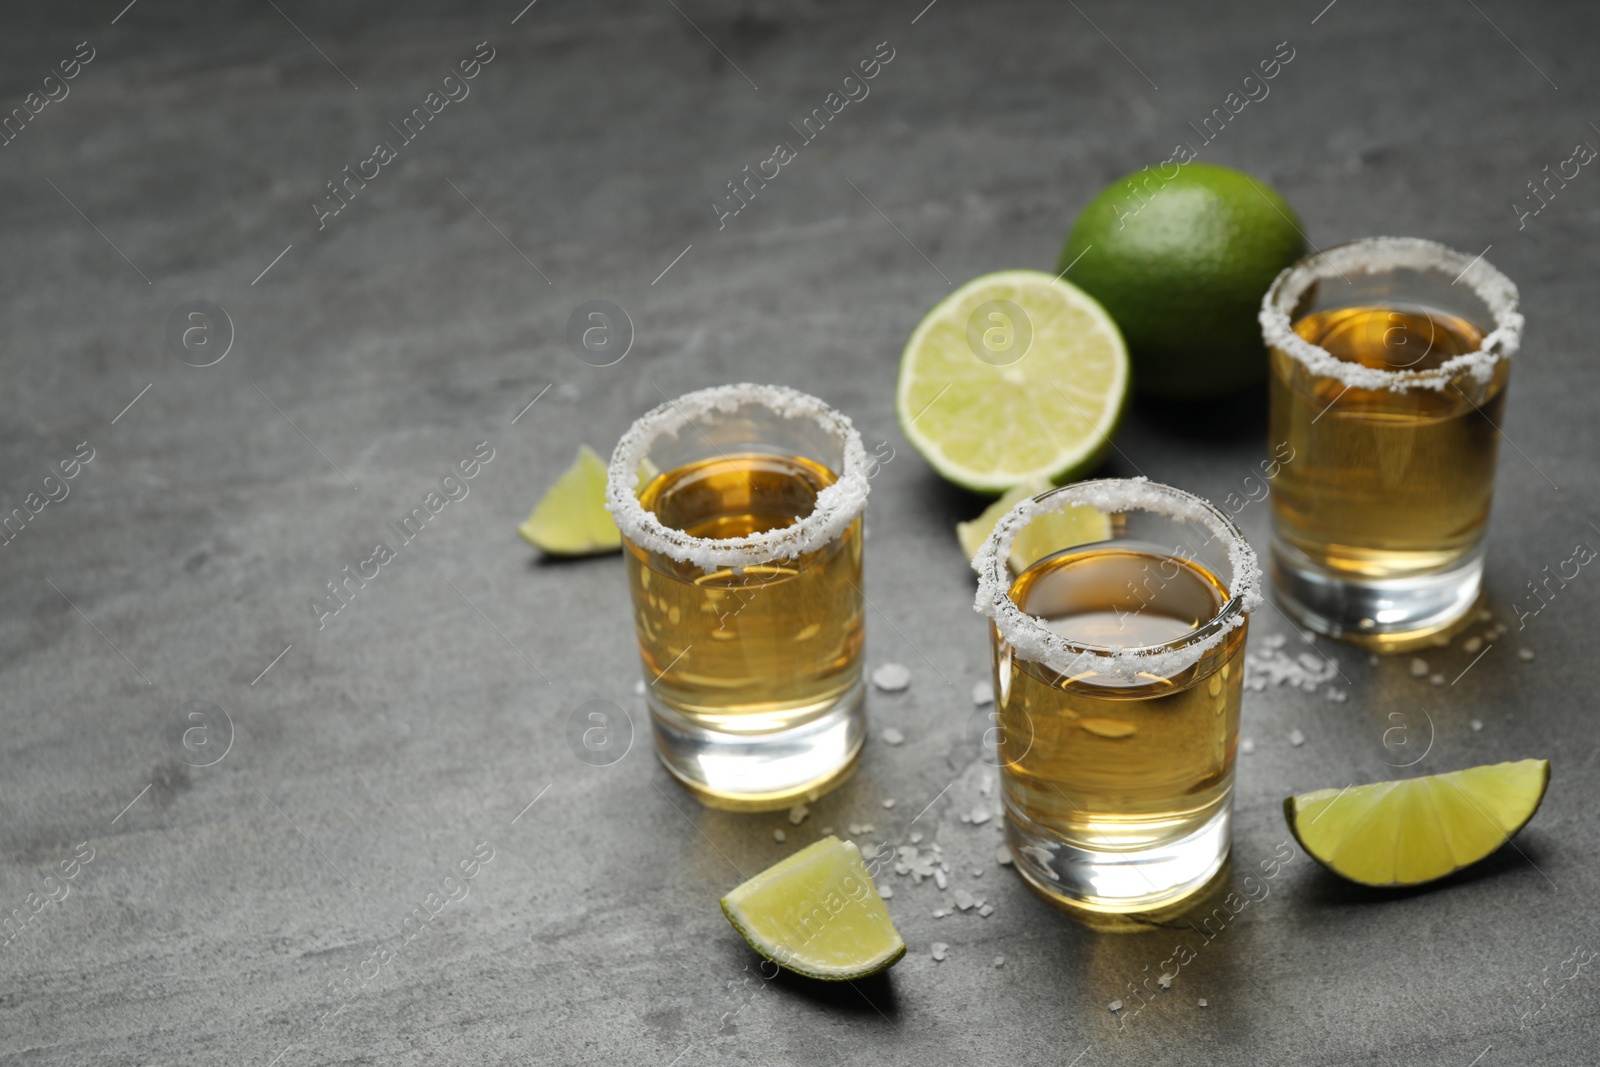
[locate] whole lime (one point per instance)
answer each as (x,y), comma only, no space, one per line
(1181,262)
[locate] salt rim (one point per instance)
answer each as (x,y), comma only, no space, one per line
(1374,255)
(1032,641)
(837,506)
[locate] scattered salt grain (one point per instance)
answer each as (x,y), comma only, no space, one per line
(1115,1006)
(1436,679)
(982,693)
(779,836)
(826,830)
(1477,724)
(1275,641)
(891,677)
(977,872)
(891,736)
(1419,667)
(1471,645)
(941,951)
(1304,671)
(1165,981)
(939,879)
(1296,738)
(1002,856)
(916,837)
(986,910)
(1337,695)
(987,785)
(1247,746)
(638,688)
(979,816)
(888,802)
(964,900)
(1484,615)
(965,817)
(886,891)
(999,961)
(1202,1002)
(798,813)
(1525,655)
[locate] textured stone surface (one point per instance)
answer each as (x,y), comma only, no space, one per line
(230,910)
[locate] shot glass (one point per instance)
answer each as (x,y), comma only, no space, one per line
(1390,360)
(1118,610)
(740,510)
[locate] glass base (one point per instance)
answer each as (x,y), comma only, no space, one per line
(763,772)
(1382,614)
(1119,883)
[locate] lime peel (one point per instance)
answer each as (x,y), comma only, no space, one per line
(570,519)
(1417,830)
(817,913)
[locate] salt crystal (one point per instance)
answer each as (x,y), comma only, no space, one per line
(986,910)
(1115,1006)
(1247,746)
(891,677)
(1436,679)
(939,913)
(888,802)
(1338,696)
(855,829)
(1471,645)
(1275,641)
(1310,662)
(1296,738)
(891,736)
(798,813)
(916,837)
(964,900)
(1525,655)
(1477,724)
(1308,637)
(999,961)
(941,950)
(1484,615)
(902,869)
(886,891)
(982,693)
(1002,856)
(979,816)
(638,687)
(1501,629)
(987,785)
(977,872)
(867,828)
(779,836)
(965,817)
(1202,1002)
(1165,981)
(826,830)
(940,880)
(1419,667)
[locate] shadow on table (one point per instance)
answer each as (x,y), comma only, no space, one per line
(865,997)
(1239,417)
(1325,888)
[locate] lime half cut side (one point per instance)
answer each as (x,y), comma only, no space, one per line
(571,518)
(817,913)
(1075,524)
(1014,377)
(1421,829)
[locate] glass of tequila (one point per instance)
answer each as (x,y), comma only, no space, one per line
(740,510)
(1390,358)
(1117,676)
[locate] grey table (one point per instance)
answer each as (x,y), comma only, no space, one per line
(237,829)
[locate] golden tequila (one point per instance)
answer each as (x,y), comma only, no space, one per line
(1384,483)
(1119,764)
(752,649)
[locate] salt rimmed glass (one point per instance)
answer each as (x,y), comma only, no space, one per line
(740,509)
(1117,684)
(1390,361)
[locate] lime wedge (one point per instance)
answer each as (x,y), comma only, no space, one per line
(1421,829)
(1077,524)
(571,518)
(1015,376)
(817,913)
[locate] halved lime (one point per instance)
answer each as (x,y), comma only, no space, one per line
(1014,377)
(1420,829)
(571,518)
(817,913)
(1076,524)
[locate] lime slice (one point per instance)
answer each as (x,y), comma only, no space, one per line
(817,913)
(1421,829)
(1077,524)
(571,518)
(1014,377)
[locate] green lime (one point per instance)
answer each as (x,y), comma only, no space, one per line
(1181,264)
(817,913)
(571,518)
(1076,524)
(1015,377)
(1420,829)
